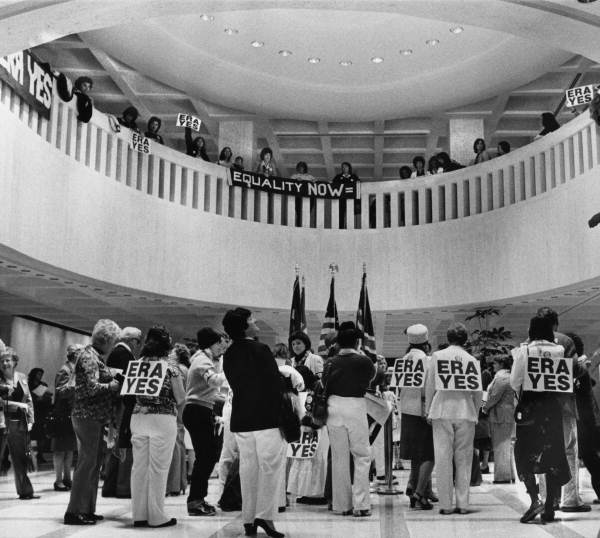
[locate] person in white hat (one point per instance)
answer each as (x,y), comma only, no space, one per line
(416,437)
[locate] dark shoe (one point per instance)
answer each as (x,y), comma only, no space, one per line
(281,509)
(445,512)
(201,509)
(28,497)
(170,523)
(549,518)
(420,502)
(596,501)
(268,529)
(432,497)
(461,511)
(409,492)
(502,481)
(347,512)
(60,487)
(77,519)
(249,529)
(580,508)
(536,508)
(316,501)
(362,513)
(330,507)
(140,523)
(122,496)
(94,517)
(68,483)
(485,470)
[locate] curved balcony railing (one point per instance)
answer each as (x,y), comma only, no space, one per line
(170,175)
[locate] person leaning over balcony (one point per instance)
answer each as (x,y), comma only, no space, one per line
(503,148)
(453,414)
(238,164)
(500,406)
(19,419)
(347,377)
(481,154)
(225,156)
(549,124)
(267,165)
(154,124)
(92,409)
(448,164)
(302,174)
(419,167)
(257,389)
(539,448)
(153,433)
(404,172)
(129,118)
(195,147)
(203,384)
(434,166)
(346,177)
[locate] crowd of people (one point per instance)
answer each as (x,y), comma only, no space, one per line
(227,394)
(266,164)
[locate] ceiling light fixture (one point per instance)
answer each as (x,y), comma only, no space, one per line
(314,60)
(285,53)
(231,31)
(377,59)
(406,52)
(345,63)
(207,18)
(432,42)
(457,29)
(257,44)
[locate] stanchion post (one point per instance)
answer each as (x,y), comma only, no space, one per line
(388,441)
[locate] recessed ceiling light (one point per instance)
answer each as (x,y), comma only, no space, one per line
(285,53)
(207,18)
(231,31)
(257,44)
(345,63)
(314,60)
(377,59)
(432,42)
(406,52)
(457,29)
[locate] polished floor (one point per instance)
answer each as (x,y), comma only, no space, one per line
(496,511)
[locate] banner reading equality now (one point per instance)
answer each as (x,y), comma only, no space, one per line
(279,185)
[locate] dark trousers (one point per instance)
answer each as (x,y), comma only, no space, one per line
(89,460)
(199,422)
(117,475)
(589,450)
(17,440)
(553,489)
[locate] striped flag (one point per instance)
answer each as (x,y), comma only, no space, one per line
(296,312)
(331,322)
(364,320)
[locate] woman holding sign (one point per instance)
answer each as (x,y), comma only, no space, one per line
(158,388)
(453,398)
(540,447)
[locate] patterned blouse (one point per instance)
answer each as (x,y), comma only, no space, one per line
(164,403)
(93,397)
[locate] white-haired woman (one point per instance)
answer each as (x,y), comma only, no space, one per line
(92,409)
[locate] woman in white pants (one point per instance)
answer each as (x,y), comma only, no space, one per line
(257,386)
(346,378)
(453,414)
(153,433)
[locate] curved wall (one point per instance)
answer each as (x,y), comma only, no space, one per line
(74,196)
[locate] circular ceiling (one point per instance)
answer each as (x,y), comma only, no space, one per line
(325,64)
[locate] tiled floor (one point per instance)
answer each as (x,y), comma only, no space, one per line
(496,512)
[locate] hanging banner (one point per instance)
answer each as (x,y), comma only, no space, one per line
(187,120)
(144,378)
(139,143)
(30,78)
(408,373)
(452,374)
(546,373)
(307,447)
(279,185)
(582,95)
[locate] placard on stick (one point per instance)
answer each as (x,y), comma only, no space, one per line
(187,120)
(144,378)
(453,374)
(139,143)
(547,373)
(582,95)
(307,447)
(409,373)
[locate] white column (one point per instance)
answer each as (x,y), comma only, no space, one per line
(239,136)
(462,133)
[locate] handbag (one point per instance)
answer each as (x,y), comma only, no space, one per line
(316,404)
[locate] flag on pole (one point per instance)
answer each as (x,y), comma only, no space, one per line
(296,310)
(364,320)
(303,325)
(331,322)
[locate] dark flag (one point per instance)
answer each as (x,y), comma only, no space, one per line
(331,322)
(296,312)
(364,320)
(303,325)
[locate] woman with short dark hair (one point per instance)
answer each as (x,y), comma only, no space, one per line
(257,388)
(549,124)
(154,124)
(540,445)
(267,166)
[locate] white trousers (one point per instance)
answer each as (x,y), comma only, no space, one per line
(262,464)
(229,452)
(453,441)
(504,459)
(152,438)
(349,434)
(378,453)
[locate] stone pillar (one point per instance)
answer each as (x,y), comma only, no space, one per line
(462,132)
(239,136)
